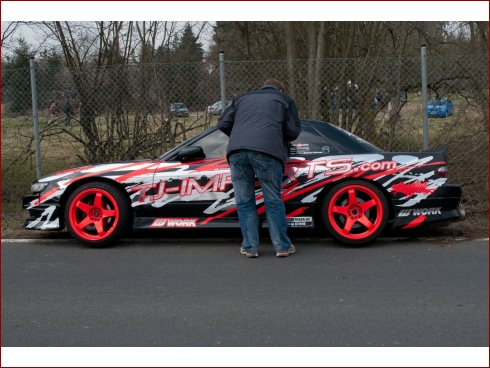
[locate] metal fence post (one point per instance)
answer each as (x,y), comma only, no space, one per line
(34,115)
(425,118)
(222,79)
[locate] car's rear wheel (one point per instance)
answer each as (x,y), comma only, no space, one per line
(97,214)
(355,212)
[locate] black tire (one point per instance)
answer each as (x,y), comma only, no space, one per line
(355,212)
(97,214)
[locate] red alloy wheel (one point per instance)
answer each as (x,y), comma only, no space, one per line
(357,212)
(93,214)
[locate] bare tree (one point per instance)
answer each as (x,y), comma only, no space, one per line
(8,31)
(292,55)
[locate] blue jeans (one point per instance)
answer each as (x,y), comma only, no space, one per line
(245,166)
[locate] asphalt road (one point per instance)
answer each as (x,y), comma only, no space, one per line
(204,293)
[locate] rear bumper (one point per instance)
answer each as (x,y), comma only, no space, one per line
(43,216)
(441,207)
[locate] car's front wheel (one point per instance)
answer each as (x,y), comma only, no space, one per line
(355,212)
(97,214)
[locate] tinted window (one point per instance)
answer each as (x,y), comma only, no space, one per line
(310,142)
(214,145)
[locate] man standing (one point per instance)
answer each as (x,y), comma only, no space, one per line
(260,125)
(69,113)
(53,111)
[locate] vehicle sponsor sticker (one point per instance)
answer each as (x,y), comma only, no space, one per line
(300,221)
(174,222)
(420,211)
(410,189)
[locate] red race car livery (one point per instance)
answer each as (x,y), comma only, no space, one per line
(333,179)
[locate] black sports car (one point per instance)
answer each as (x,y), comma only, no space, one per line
(333,179)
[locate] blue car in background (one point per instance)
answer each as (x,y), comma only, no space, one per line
(442,107)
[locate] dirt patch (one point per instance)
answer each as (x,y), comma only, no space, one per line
(464,230)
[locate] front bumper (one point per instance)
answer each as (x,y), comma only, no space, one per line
(43,216)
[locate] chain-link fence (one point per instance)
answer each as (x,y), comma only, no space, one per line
(125,112)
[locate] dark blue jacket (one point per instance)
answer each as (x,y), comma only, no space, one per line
(264,120)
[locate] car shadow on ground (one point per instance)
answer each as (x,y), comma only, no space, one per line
(454,232)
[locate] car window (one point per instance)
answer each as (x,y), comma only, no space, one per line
(214,145)
(310,142)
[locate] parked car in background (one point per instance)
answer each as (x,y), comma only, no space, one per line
(215,109)
(333,180)
(442,107)
(179,109)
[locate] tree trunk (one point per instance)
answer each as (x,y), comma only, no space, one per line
(291,55)
(244,29)
(312,43)
(318,85)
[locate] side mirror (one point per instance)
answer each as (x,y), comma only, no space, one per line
(191,153)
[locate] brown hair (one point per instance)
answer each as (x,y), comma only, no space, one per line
(275,83)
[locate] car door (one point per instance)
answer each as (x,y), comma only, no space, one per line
(190,191)
(299,187)
(199,192)
(450,107)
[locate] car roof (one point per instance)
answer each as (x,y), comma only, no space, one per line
(345,142)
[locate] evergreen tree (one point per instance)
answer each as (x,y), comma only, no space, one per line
(181,77)
(16,81)
(187,49)
(47,67)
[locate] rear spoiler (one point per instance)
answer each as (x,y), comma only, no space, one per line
(442,149)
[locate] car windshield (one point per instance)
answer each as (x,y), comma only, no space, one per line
(177,106)
(435,101)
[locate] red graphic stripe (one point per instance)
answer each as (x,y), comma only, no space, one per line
(261,210)
(312,187)
(218,216)
(88,175)
(45,196)
(297,212)
(415,222)
(144,170)
(213,165)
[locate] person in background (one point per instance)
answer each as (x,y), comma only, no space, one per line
(260,125)
(69,113)
(53,111)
